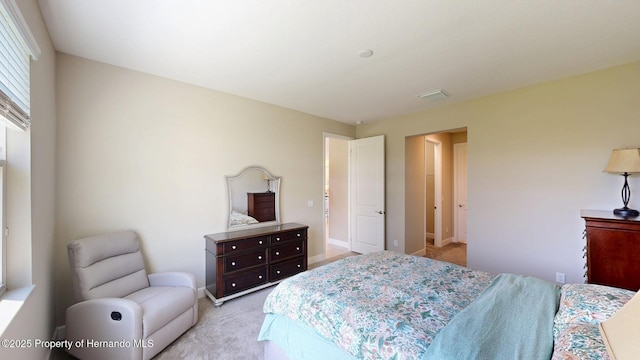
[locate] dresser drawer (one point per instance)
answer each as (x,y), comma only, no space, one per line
(287,250)
(262,200)
(244,244)
(289,235)
(267,213)
(246,280)
(286,269)
(239,262)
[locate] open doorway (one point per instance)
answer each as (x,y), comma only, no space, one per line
(433,190)
(432,219)
(336,195)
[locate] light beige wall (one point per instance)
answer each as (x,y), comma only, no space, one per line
(145,153)
(339,190)
(414,197)
(535,158)
(31,183)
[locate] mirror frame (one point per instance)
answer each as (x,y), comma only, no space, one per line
(274,187)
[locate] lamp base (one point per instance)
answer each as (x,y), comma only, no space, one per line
(626,212)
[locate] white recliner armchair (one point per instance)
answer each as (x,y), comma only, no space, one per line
(123,313)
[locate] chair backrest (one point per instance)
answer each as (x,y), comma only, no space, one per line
(109,265)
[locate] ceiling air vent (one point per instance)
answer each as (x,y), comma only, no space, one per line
(434,95)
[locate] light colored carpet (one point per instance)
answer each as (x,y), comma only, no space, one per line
(228,332)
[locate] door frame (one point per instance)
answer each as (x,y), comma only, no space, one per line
(437,198)
(325,234)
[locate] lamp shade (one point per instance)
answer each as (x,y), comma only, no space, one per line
(624,161)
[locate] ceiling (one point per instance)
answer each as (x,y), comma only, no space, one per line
(304,55)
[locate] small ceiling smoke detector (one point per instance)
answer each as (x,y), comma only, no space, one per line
(434,95)
(365,53)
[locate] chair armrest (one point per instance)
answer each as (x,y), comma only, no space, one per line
(107,319)
(99,319)
(173,279)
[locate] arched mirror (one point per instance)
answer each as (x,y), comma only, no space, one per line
(254,198)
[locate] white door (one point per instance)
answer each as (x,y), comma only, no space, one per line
(366,178)
(460,191)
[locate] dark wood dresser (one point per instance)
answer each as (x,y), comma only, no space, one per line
(613,249)
(262,206)
(240,262)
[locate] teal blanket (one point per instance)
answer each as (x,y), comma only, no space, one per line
(511,319)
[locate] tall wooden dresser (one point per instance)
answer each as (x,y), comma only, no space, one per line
(240,262)
(262,206)
(613,249)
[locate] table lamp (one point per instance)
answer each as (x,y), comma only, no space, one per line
(624,162)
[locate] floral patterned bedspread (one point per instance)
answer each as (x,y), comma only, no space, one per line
(384,305)
(582,308)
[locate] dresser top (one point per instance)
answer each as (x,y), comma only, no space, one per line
(260,231)
(605,215)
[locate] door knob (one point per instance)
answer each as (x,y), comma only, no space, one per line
(380,212)
(459,205)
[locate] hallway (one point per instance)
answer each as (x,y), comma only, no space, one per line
(453,252)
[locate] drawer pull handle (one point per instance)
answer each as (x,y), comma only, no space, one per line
(260,257)
(277,271)
(260,277)
(277,253)
(299,234)
(260,242)
(297,248)
(233,247)
(233,263)
(277,239)
(299,265)
(233,284)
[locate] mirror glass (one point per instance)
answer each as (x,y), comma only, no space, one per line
(254,198)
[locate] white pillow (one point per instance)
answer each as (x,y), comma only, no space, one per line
(237,218)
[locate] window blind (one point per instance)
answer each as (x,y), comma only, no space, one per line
(17,46)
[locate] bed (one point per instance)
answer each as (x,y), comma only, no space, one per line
(387,305)
(236,218)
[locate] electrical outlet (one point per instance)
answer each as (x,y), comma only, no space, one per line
(560,278)
(395,243)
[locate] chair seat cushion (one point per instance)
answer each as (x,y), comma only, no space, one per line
(161,304)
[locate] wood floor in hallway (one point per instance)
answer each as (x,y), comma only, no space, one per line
(453,252)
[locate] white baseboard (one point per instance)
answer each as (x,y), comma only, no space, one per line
(447,241)
(421,252)
(340,243)
(201,293)
(60,333)
(315,259)
(430,235)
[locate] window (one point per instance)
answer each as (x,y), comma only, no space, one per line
(17,47)
(3,246)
